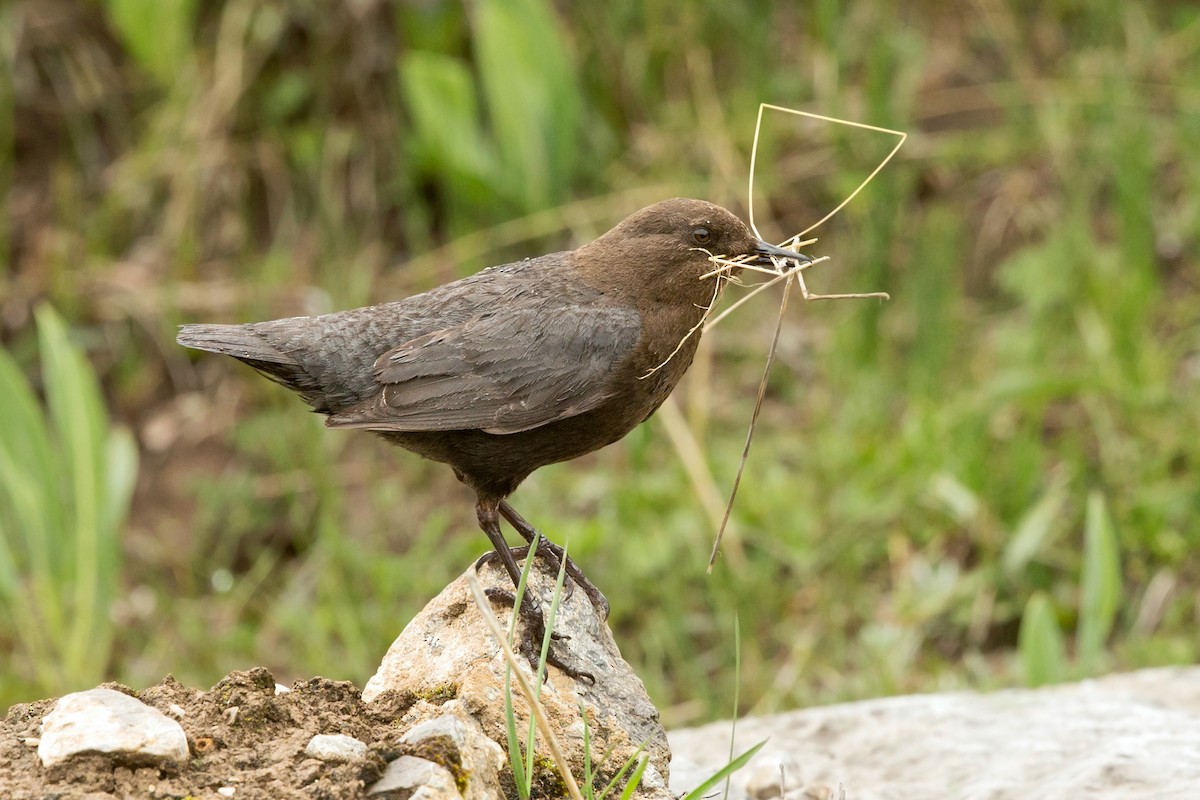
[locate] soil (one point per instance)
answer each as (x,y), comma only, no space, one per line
(257,750)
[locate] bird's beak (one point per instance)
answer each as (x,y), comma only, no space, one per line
(766,250)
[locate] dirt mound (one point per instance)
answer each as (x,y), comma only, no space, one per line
(241,734)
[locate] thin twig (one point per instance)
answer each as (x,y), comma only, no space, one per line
(762,391)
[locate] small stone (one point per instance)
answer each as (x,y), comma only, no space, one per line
(176,710)
(107,721)
(478,756)
(446,725)
(231,714)
(412,778)
(226,791)
(334,747)
(281,689)
(32,741)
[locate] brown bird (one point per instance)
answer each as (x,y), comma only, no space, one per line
(517,366)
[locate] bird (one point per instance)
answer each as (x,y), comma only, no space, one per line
(520,365)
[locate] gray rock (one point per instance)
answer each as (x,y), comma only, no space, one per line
(1128,737)
(481,759)
(447,649)
(411,778)
(107,721)
(334,747)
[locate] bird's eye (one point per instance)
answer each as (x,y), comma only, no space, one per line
(701,236)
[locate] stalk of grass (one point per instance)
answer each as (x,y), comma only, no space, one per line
(737,674)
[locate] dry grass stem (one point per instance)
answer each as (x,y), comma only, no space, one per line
(758,401)
(784,272)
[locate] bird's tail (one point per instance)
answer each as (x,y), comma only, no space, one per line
(239,341)
(252,345)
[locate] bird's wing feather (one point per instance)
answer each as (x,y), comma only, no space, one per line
(506,370)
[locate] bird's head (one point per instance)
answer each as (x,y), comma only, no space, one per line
(672,252)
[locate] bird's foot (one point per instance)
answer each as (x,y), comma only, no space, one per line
(555,555)
(549,551)
(530,644)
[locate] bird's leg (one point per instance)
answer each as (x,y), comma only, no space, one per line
(555,554)
(531,611)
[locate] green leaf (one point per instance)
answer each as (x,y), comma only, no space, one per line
(532,96)
(448,136)
(1035,529)
(1101,583)
(156,32)
(1043,654)
(66,479)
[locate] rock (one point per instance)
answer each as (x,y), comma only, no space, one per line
(447,650)
(107,721)
(455,736)
(412,778)
(1120,738)
(334,747)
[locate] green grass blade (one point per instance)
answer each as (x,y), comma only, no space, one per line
(635,779)
(515,760)
(629,763)
(589,790)
(724,772)
(1101,583)
(1035,530)
(1040,643)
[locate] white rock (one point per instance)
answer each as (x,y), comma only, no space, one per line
(481,758)
(226,791)
(281,689)
(449,648)
(334,747)
(107,721)
(1121,738)
(416,779)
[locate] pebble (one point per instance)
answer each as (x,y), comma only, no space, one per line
(334,747)
(409,776)
(108,721)
(445,725)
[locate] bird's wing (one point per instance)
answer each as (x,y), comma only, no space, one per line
(503,371)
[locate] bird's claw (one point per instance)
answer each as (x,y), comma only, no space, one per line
(530,644)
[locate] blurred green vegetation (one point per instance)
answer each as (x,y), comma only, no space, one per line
(992,478)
